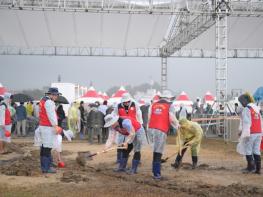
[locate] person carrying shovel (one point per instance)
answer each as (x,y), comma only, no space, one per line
(190,135)
(161,116)
(128,108)
(133,137)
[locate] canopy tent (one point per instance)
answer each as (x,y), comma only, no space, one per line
(209,98)
(3,90)
(100,94)
(141,102)
(105,96)
(90,96)
(183,99)
(116,97)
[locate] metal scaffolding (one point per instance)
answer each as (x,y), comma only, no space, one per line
(221,50)
(164,73)
(109,52)
(222,9)
(165,7)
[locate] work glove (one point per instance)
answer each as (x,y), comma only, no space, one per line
(7,133)
(58,129)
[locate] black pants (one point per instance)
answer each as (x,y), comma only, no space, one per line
(126,152)
(157,157)
(45,152)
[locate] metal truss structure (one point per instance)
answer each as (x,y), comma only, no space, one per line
(164,7)
(109,52)
(189,19)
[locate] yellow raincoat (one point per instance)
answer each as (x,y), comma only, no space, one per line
(191,133)
(74,118)
(29,109)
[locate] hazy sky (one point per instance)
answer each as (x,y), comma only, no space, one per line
(195,76)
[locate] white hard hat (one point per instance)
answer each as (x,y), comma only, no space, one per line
(166,94)
(126,97)
(110,119)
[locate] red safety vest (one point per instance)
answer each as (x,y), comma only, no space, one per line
(255,121)
(8,119)
(160,116)
(130,113)
(136,125)
(43,118)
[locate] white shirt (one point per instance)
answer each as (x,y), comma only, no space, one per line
(245,122)
(103,108)
(51,112)
(2,115)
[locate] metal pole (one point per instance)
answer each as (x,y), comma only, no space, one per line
(221,9)
(164,73)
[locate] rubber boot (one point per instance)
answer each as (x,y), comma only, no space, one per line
(42,164)
(156,169)
(258,164)
(194,160)
(52,164)
(45,163)
(250,164)
(119,156)
(81,136)
(177,162)
(122,165)
(135,164)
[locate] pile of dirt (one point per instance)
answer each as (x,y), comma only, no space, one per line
(83,157)
(76,177)
(230,190)
(23,166)
(17,148)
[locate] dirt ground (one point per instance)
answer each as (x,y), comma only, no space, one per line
(218,173)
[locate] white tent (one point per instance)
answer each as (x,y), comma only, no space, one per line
(91,96)
(183,99)
(209,98)
(116,97)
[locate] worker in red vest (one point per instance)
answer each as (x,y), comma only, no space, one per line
(161,116)
(5,121)
(134,138)
(128,108)
(48,128)
(251,133)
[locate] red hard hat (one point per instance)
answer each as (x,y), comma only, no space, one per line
(61,164)
(7,133)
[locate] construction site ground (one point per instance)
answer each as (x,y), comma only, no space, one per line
(218,173)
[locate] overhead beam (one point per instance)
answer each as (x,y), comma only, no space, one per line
(140,52)
(239,8)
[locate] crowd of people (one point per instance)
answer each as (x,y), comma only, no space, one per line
(126,124)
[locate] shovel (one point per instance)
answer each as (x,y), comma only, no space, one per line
(87,155)
(172,155)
